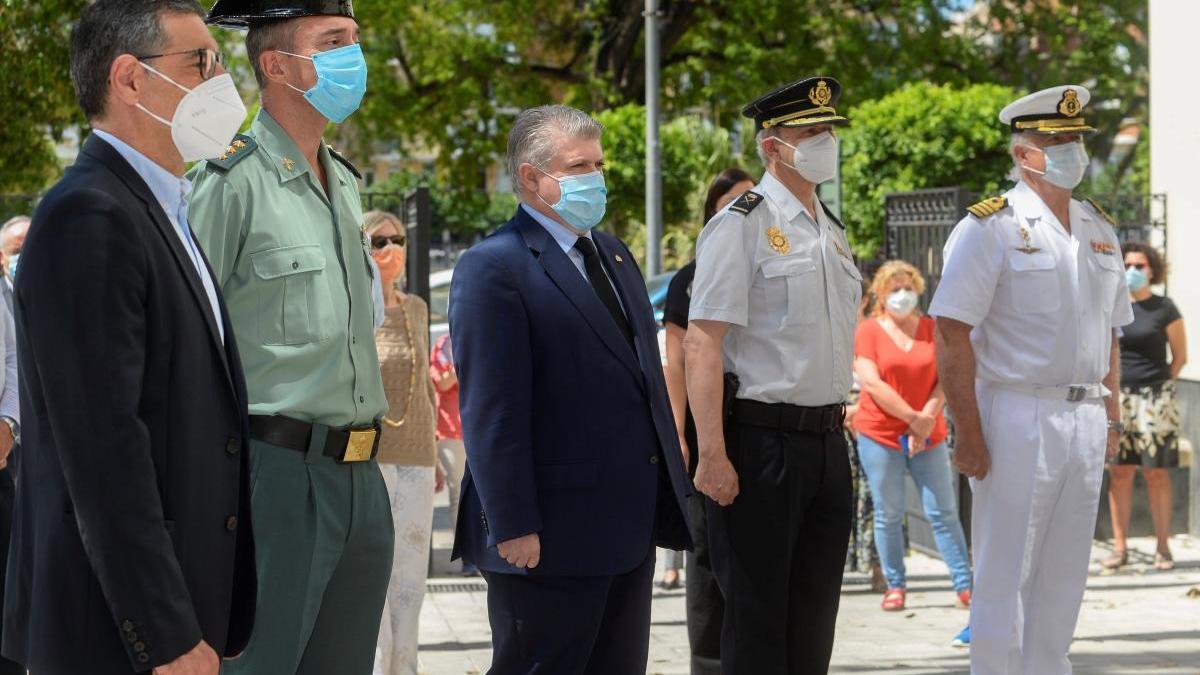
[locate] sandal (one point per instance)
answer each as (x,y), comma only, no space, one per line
(1117,560)
(893,600)
(1163,562)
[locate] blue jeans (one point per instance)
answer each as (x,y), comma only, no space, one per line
(930,470)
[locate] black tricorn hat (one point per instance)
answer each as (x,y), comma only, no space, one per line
(242,13)
(799,104)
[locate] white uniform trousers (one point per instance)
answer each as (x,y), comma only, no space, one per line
(1032,522)
(410,489)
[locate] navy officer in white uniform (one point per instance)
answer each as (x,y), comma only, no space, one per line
(1029,303)
(774,305)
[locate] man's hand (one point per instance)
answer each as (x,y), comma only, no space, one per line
(202,660)
(716,478)
(6,444)
(1113,445)
(971,456)
(522,552)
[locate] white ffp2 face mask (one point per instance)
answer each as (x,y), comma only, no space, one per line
(206,119)
(1066,164)
(815,158)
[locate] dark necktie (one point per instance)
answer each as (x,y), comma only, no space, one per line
(600,284)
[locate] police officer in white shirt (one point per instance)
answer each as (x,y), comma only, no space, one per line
(1027,310)
(774,305)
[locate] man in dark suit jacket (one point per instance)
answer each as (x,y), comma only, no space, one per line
(574,470)
(131,549)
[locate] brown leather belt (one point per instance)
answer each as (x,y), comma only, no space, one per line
(786,417)
(344,445)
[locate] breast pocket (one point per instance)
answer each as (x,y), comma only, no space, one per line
(1034,286)
(791,288)
(1107,273)
(294,305)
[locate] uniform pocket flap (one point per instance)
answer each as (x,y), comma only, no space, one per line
(1031,261)
(850,268)
(566,476)
(279,262)
(1109,262)
(786,266)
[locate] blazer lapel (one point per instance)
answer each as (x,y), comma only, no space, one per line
(632,289)
(102,152)
(566,276)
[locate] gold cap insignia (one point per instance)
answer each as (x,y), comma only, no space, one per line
(778,241)
(288,164)
(1069,105)
(820,94)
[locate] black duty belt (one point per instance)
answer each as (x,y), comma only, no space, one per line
(344,445)
(785,417)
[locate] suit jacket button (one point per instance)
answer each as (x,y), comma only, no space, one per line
(233,446)
(139,646)
(127,626)
(231,523)
(654,459)
(131,636)
(143,657)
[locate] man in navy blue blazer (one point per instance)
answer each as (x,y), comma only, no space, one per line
(574,471)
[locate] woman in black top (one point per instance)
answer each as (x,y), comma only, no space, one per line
(705,605)
(1148,406)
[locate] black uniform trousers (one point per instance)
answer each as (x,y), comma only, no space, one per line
(779,550)
(561,625)
(705,605)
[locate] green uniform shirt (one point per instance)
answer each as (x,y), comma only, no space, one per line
(293,266)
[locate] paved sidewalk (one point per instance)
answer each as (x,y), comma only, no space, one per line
(1135,621)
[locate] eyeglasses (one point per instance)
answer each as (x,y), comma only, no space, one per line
(1136,266)
(378,243)
(207,60)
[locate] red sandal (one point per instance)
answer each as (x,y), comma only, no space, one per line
(893,600)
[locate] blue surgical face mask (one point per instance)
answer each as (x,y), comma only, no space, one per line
(583,201)
(341,81)
(12,265)
(1135,279)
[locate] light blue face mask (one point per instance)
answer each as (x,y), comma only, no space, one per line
(341,81)
(583,201)
(1135,279)
(12,265)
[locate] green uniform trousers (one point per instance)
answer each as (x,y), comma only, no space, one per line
(323,542)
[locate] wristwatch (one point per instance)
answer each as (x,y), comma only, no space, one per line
(13,426)
(1117,426)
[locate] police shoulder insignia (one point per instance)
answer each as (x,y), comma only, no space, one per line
(354,170)
(1102,212)
(746,203)
(239,149)
(988,207)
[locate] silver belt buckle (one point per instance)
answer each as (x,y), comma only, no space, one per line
(1075,394)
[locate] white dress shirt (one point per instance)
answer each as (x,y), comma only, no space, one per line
(171,191)
(1043,301)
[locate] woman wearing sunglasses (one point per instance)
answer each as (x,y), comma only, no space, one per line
(1149,410)
(407,449)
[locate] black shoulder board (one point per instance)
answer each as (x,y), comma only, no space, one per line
(831,216)
(354,170)
(239,149)
(987,207)
(1102,212)
(747,202)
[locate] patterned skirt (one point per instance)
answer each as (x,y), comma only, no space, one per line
(1151,418)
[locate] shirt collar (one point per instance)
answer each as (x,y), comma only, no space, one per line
(170,190)
(287,159)
(788,204)
(1029,205)
(562,236)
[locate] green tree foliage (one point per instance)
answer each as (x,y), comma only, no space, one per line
(920,136)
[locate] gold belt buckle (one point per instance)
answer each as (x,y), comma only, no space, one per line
(360,445)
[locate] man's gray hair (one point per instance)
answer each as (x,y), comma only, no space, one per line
(535,133)
(1018,138)
(762,135)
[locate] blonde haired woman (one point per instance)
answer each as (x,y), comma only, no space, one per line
(407,449)
(901,429)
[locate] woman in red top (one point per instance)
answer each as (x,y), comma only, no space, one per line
(901,429)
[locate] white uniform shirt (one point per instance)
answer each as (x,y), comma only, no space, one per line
(1043,308)
(791,312)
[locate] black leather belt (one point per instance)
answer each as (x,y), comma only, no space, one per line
(344,445)
(785,417)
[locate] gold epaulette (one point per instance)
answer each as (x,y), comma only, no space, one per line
(988,207)
(1102,212)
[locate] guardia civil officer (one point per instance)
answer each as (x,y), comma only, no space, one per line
(279,215)
(774,304)
(1030,298)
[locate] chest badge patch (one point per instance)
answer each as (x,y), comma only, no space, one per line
(778,241)
(1103,247)
(1028,248)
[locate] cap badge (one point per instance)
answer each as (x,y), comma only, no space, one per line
(778,241)
(1069,105)
(820,94)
